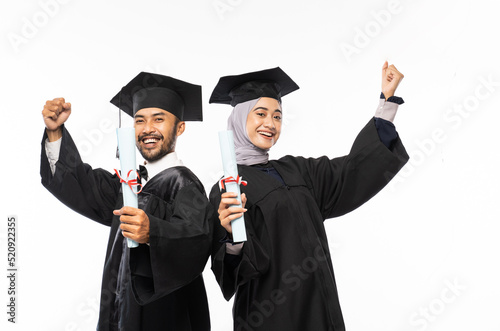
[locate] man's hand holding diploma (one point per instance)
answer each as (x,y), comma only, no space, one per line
(135,224)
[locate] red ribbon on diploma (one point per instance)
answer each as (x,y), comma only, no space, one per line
(130,182)
(231,179)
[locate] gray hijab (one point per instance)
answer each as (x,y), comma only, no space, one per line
(246,152)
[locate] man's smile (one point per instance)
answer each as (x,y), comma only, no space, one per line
(150,141)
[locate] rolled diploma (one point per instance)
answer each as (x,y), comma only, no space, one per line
(126,148)
(231,170)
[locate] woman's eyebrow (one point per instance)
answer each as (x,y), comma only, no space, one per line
(266,109)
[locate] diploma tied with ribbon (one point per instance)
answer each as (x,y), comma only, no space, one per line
(232,180)
(128,178)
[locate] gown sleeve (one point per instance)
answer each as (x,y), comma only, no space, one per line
(179,245)
(386,131)
(232,271)
(342,184)
(92,193)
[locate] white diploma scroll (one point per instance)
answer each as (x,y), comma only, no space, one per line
(126,149)
(231,171)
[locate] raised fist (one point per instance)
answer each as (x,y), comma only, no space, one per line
(55,113)
(391,78)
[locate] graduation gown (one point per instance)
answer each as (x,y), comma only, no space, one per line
(155,287)
(283,277)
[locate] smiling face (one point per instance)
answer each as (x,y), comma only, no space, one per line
(156,132)
(264,123)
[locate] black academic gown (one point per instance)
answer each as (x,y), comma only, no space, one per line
(283,278)
(156,287)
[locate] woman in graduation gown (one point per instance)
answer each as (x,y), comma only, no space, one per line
(283,275)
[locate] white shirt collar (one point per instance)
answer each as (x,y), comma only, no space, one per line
(168,161)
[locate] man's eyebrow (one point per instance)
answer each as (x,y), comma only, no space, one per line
(159,114)
(153,115)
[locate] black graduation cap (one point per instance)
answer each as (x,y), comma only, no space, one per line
(152,90)
(272,83)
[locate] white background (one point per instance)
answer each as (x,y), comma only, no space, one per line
(421,255)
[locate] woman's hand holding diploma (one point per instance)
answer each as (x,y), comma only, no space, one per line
(228,212)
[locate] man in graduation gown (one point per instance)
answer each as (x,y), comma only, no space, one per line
(282,275)
(157,285)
